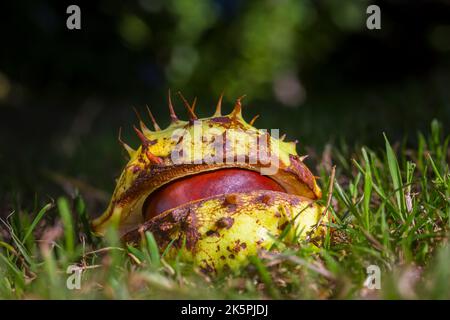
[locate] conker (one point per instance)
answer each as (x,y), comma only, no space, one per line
(205,185)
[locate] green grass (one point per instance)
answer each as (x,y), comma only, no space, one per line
(390,208)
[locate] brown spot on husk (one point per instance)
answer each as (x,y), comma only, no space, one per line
(207,268)
(266,199)
(231,199)
(283,226)
(189,226)
(221,120)
(212,233)
(239,246)
(225,222)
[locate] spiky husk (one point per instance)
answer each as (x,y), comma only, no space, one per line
(151,166)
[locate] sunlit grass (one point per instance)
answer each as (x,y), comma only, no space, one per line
(390,208)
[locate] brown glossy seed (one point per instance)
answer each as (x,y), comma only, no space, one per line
(205,185)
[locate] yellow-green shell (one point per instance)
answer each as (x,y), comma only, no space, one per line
(152,165)
(222,231)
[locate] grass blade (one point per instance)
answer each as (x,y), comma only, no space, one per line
(396,177)
(152,248)
(66,217)
(36,220)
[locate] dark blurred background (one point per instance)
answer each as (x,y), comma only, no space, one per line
(309,67)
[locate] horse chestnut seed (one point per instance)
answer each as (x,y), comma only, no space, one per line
(204,185)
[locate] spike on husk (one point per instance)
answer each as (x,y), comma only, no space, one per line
(218,112)
(152,118)
(144,140)
(146,143)
(127,148)
(192,115)
(144,128)
(237,110)
(194,103)
(252,122)
(173,115)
